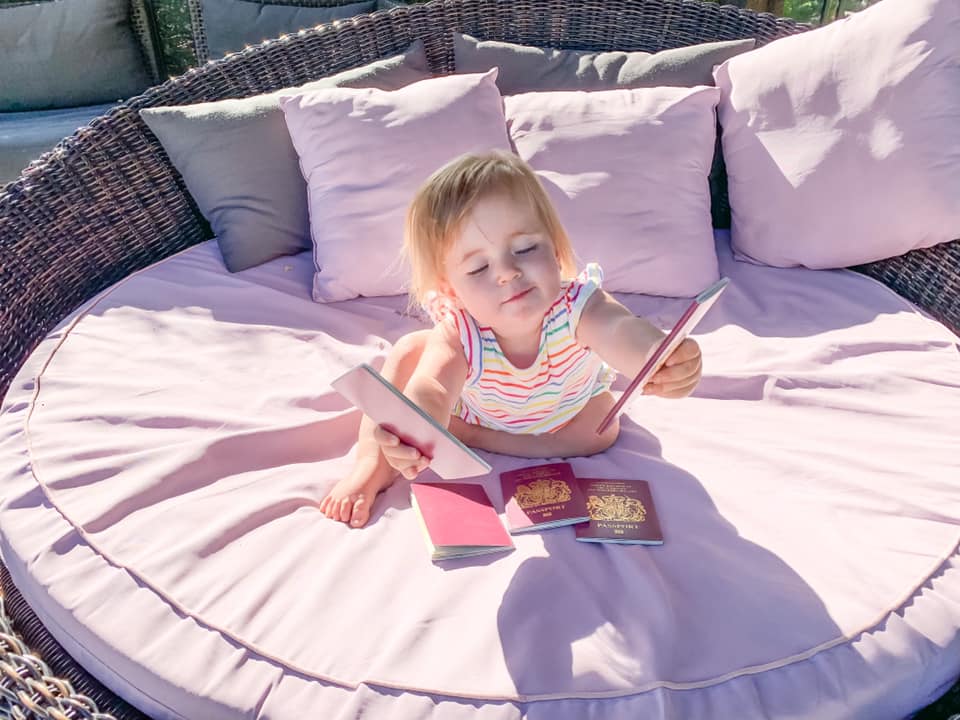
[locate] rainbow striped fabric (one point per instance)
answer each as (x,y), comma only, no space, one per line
(545,396)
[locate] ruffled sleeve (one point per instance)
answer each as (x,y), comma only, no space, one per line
(441,309)
(580,290)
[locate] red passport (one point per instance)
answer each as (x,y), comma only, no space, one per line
(542,497)
(621,511)
(458,520)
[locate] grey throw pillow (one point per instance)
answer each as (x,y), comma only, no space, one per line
(68,53)
(230,25)
(524,68)
(239,164)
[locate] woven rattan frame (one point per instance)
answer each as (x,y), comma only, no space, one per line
(202,50)
(107,202)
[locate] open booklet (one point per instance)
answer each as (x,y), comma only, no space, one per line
(383,403)
(683,327)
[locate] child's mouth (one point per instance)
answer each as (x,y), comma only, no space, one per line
(517,296)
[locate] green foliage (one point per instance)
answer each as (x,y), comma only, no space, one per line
(811,11)
(807,11)
(176,36)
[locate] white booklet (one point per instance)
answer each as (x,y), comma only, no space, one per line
(683,327)
(383,403)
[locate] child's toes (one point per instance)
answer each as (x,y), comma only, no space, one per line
(344,509)
(333,510)
(324,504)
(361,511)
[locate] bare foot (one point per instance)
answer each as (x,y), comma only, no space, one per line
(351,499)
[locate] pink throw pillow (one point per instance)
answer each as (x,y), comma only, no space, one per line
(364,153)
(842,144)
(627,171)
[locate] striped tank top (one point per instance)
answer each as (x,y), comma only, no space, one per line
(550,392)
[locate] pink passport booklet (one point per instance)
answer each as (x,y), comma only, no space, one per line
(678,333)
(621,511)
(458,520)
(542,497)
(383,403)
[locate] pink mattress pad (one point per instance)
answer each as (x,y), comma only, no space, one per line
(164,451)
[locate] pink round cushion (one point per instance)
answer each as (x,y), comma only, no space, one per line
(164,451)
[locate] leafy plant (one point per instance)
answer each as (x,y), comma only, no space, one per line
(176,36)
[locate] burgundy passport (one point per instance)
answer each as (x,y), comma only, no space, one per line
(621,511)
(542,497)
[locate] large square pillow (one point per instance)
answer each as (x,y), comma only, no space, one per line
(239,165)
(231,25)
(526,68)
(364,153)
(68,53)
(627,171)
(842,144)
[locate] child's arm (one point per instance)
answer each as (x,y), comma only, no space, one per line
(439,377)
(625,341)
(434,385)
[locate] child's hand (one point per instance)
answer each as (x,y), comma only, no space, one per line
(679,375)
(404,458)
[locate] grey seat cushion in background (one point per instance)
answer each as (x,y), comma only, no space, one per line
(24,136)
(524,68)
(230,25)
(68,53)
(240,166)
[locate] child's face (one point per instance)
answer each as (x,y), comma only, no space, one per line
(503,266)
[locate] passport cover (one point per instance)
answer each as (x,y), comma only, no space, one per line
(458,520)
(621,511)
(683,327)
(383,403)
(542,497)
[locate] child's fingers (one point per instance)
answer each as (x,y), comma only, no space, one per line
(402,452)
(384,437)
(406,463)
(411,471)
(680,373)
(391,445)
(670,390)
(686,351)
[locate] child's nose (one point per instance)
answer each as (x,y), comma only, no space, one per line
(509,271)
(509,274)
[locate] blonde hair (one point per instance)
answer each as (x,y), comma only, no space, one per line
(448,196)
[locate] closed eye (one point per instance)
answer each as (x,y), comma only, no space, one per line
(525,250)
(477,271)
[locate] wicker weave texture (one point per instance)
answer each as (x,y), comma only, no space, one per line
(28,688)
(107,202)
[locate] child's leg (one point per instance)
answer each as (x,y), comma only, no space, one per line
(577,437)
(351,498)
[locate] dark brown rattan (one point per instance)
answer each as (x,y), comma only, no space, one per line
(106,202)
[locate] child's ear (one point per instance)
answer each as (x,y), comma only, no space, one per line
(447,289)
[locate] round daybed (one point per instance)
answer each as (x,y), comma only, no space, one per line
(106,206)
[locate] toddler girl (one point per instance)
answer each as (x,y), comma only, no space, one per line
(522,351)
